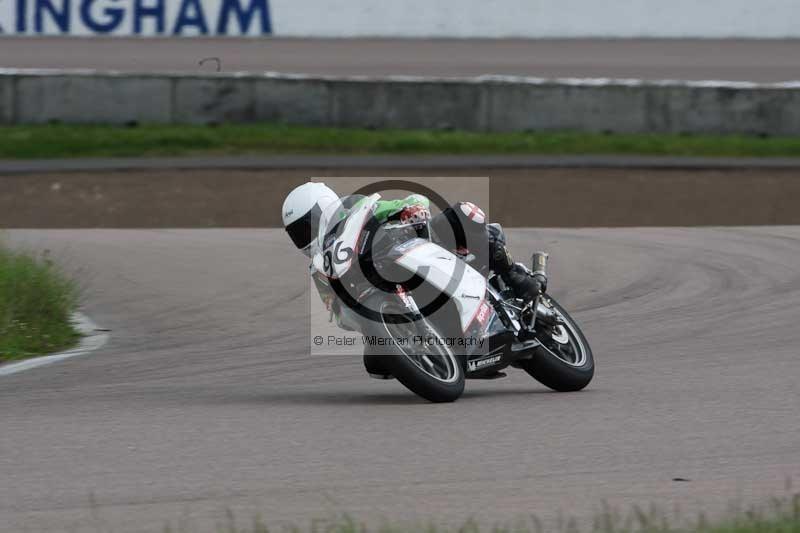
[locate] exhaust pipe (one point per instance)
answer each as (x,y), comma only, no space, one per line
(539,263)
(544,313)
(539,269)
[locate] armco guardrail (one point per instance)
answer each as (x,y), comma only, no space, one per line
(488,103)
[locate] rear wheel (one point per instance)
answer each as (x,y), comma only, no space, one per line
(564,362)
(430,369)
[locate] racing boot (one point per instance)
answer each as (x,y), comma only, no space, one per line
(525,284)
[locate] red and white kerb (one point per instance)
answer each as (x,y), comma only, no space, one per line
(473,212)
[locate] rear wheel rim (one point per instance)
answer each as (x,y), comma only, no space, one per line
(433,358)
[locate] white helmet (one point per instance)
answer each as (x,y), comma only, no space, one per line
(301,212)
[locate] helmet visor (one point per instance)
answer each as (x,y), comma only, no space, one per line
(302,230)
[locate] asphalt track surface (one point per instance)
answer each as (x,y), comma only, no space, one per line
(738,60)
(204,398)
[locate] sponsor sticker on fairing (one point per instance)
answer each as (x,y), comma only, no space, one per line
(479,364)
(483,313)
(408,245)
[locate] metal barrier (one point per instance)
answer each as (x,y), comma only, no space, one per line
(488,103)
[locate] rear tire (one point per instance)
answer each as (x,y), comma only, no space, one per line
(439,382)
(550,367)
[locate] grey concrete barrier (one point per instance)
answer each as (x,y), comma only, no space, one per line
(487,103)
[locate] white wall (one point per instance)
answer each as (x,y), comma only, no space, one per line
(427,18)
(539,18)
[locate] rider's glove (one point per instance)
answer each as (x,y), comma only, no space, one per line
(416,215)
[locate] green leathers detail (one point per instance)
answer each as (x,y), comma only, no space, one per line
(386,209)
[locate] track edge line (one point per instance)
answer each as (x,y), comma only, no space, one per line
(93,339)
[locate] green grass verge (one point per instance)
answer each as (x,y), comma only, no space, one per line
(56,141)
(36,300)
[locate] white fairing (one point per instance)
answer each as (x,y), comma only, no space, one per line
(470,291)
(342,251)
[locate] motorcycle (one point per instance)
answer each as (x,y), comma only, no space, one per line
(430,319)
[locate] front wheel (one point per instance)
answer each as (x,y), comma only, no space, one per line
(428,368)
(564,361)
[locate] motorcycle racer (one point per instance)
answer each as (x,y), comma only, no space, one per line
(461,228)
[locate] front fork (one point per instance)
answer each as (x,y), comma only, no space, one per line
(413,309)
(407,300)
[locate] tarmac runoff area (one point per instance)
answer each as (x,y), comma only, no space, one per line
(520,192)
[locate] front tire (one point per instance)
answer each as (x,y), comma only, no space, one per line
(564,362)
(431,370)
